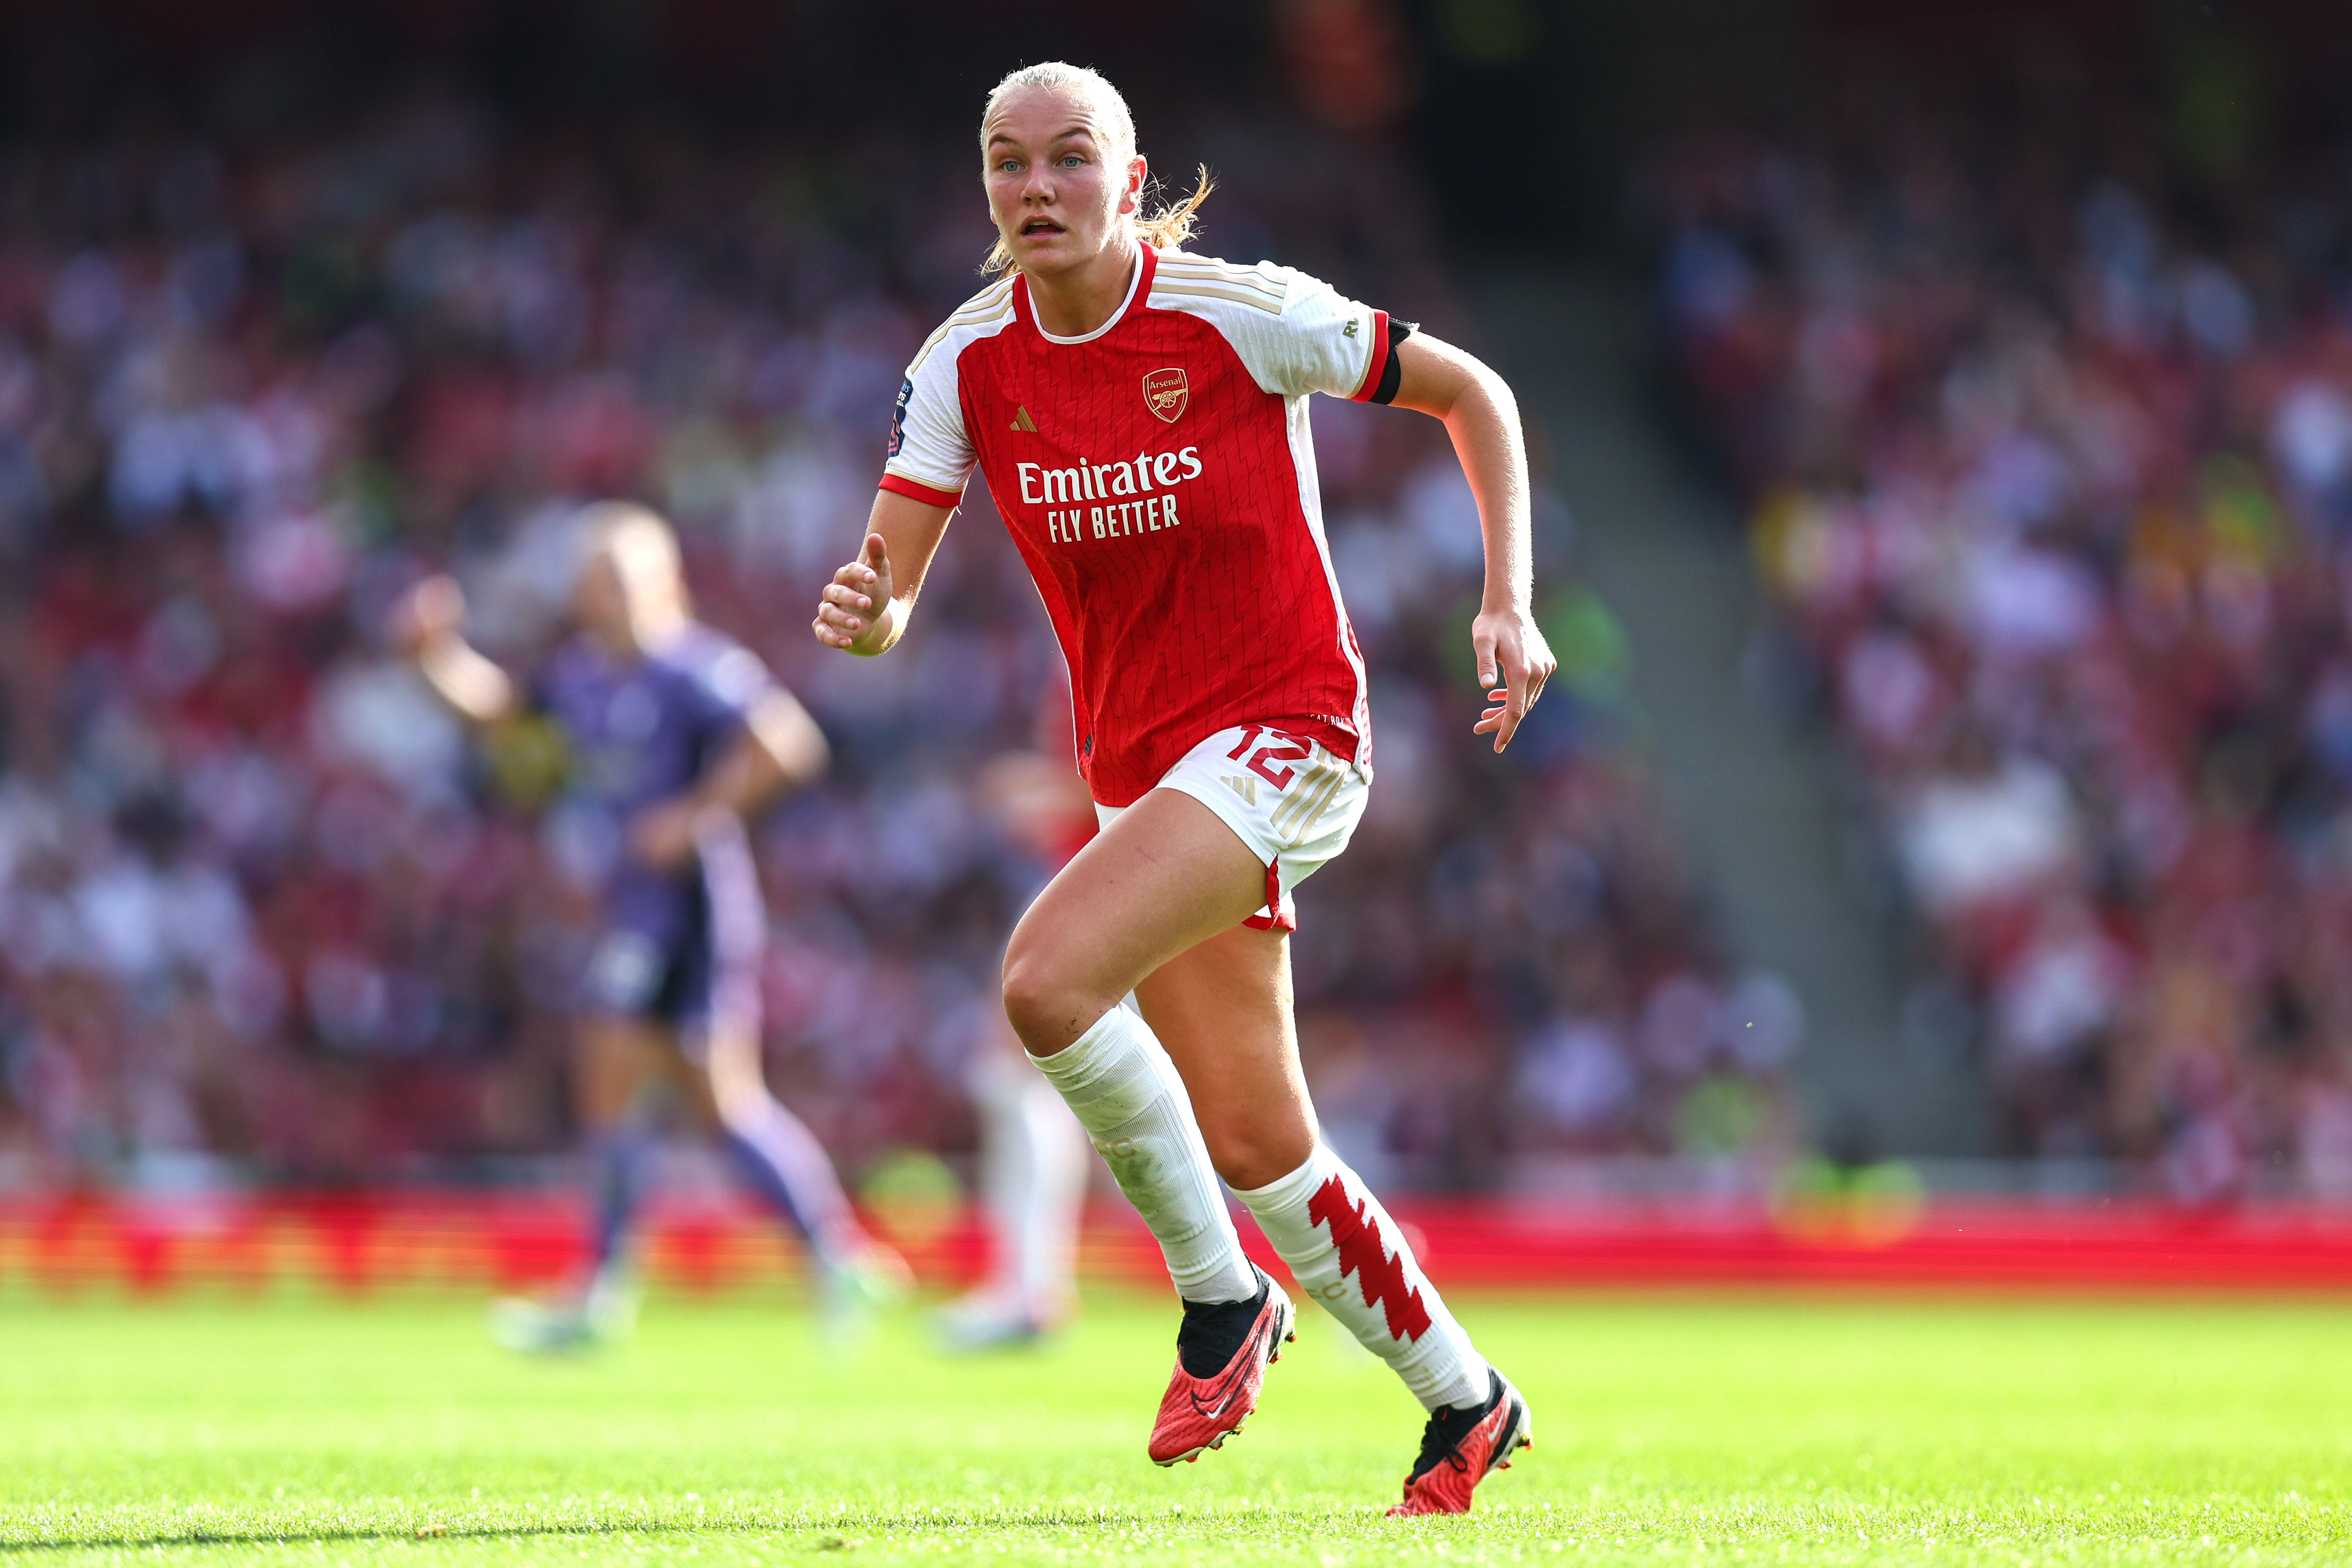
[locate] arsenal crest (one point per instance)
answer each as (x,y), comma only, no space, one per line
(1165,394)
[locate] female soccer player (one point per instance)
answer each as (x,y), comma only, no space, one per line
(1141,415)
(673,734)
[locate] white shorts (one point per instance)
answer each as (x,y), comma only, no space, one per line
(1294,803)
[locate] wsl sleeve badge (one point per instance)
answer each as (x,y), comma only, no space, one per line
(899,415)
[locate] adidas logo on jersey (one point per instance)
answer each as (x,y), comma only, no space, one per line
(1021,420)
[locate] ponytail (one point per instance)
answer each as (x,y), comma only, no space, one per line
(1172,226)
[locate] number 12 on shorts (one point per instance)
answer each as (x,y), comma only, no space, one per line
(1290,748)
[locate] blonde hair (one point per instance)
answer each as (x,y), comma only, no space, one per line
(641,543)
(1171,225)
(636,534)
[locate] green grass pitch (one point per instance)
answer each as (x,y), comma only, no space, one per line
(1669,1430)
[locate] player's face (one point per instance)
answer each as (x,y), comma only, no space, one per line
(1056,195)
(601,600)
(629,595)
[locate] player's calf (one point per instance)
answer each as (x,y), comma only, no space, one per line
(1127,1094)
(1348,1254)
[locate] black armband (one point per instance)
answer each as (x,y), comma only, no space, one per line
(1391,373)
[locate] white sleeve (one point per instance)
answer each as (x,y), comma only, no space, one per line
(931,453)
(1295,334)
(1327,343)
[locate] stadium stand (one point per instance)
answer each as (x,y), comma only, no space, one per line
(265,914)
(2044,413)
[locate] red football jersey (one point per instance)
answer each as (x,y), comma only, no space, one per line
(1159,477)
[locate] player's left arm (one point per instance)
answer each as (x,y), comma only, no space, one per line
(778,751)
(1482,417)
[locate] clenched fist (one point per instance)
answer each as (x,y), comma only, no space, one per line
(856,613)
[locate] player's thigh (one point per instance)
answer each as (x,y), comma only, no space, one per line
(614,1057)
(1223,1010)
(1168,875)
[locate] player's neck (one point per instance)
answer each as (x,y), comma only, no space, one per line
(1073,303)
(646,630)
(657,626)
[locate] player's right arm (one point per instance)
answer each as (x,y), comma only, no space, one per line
(427,626)
(866,607)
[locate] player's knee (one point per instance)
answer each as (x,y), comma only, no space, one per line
(1031,1001)
(736,1104)
(1254,1157)
(1044,1007)
(737,1090)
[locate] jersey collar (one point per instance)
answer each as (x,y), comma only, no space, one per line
(1138,286)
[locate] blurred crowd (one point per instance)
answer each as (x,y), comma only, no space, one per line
(2049,454)
(268,912)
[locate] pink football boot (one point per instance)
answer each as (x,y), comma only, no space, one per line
(1461,1447)
(1198,1413)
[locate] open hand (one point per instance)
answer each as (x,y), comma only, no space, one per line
(1514,663)
(855,612)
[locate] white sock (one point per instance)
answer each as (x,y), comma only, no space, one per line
(1125,1092)
(1033,1177)
(1347,1253)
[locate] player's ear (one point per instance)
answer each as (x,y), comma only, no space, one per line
(1138,174)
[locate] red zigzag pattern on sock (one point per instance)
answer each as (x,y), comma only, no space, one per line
(1363,1254)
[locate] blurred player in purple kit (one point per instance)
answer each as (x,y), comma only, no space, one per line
(673,735)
